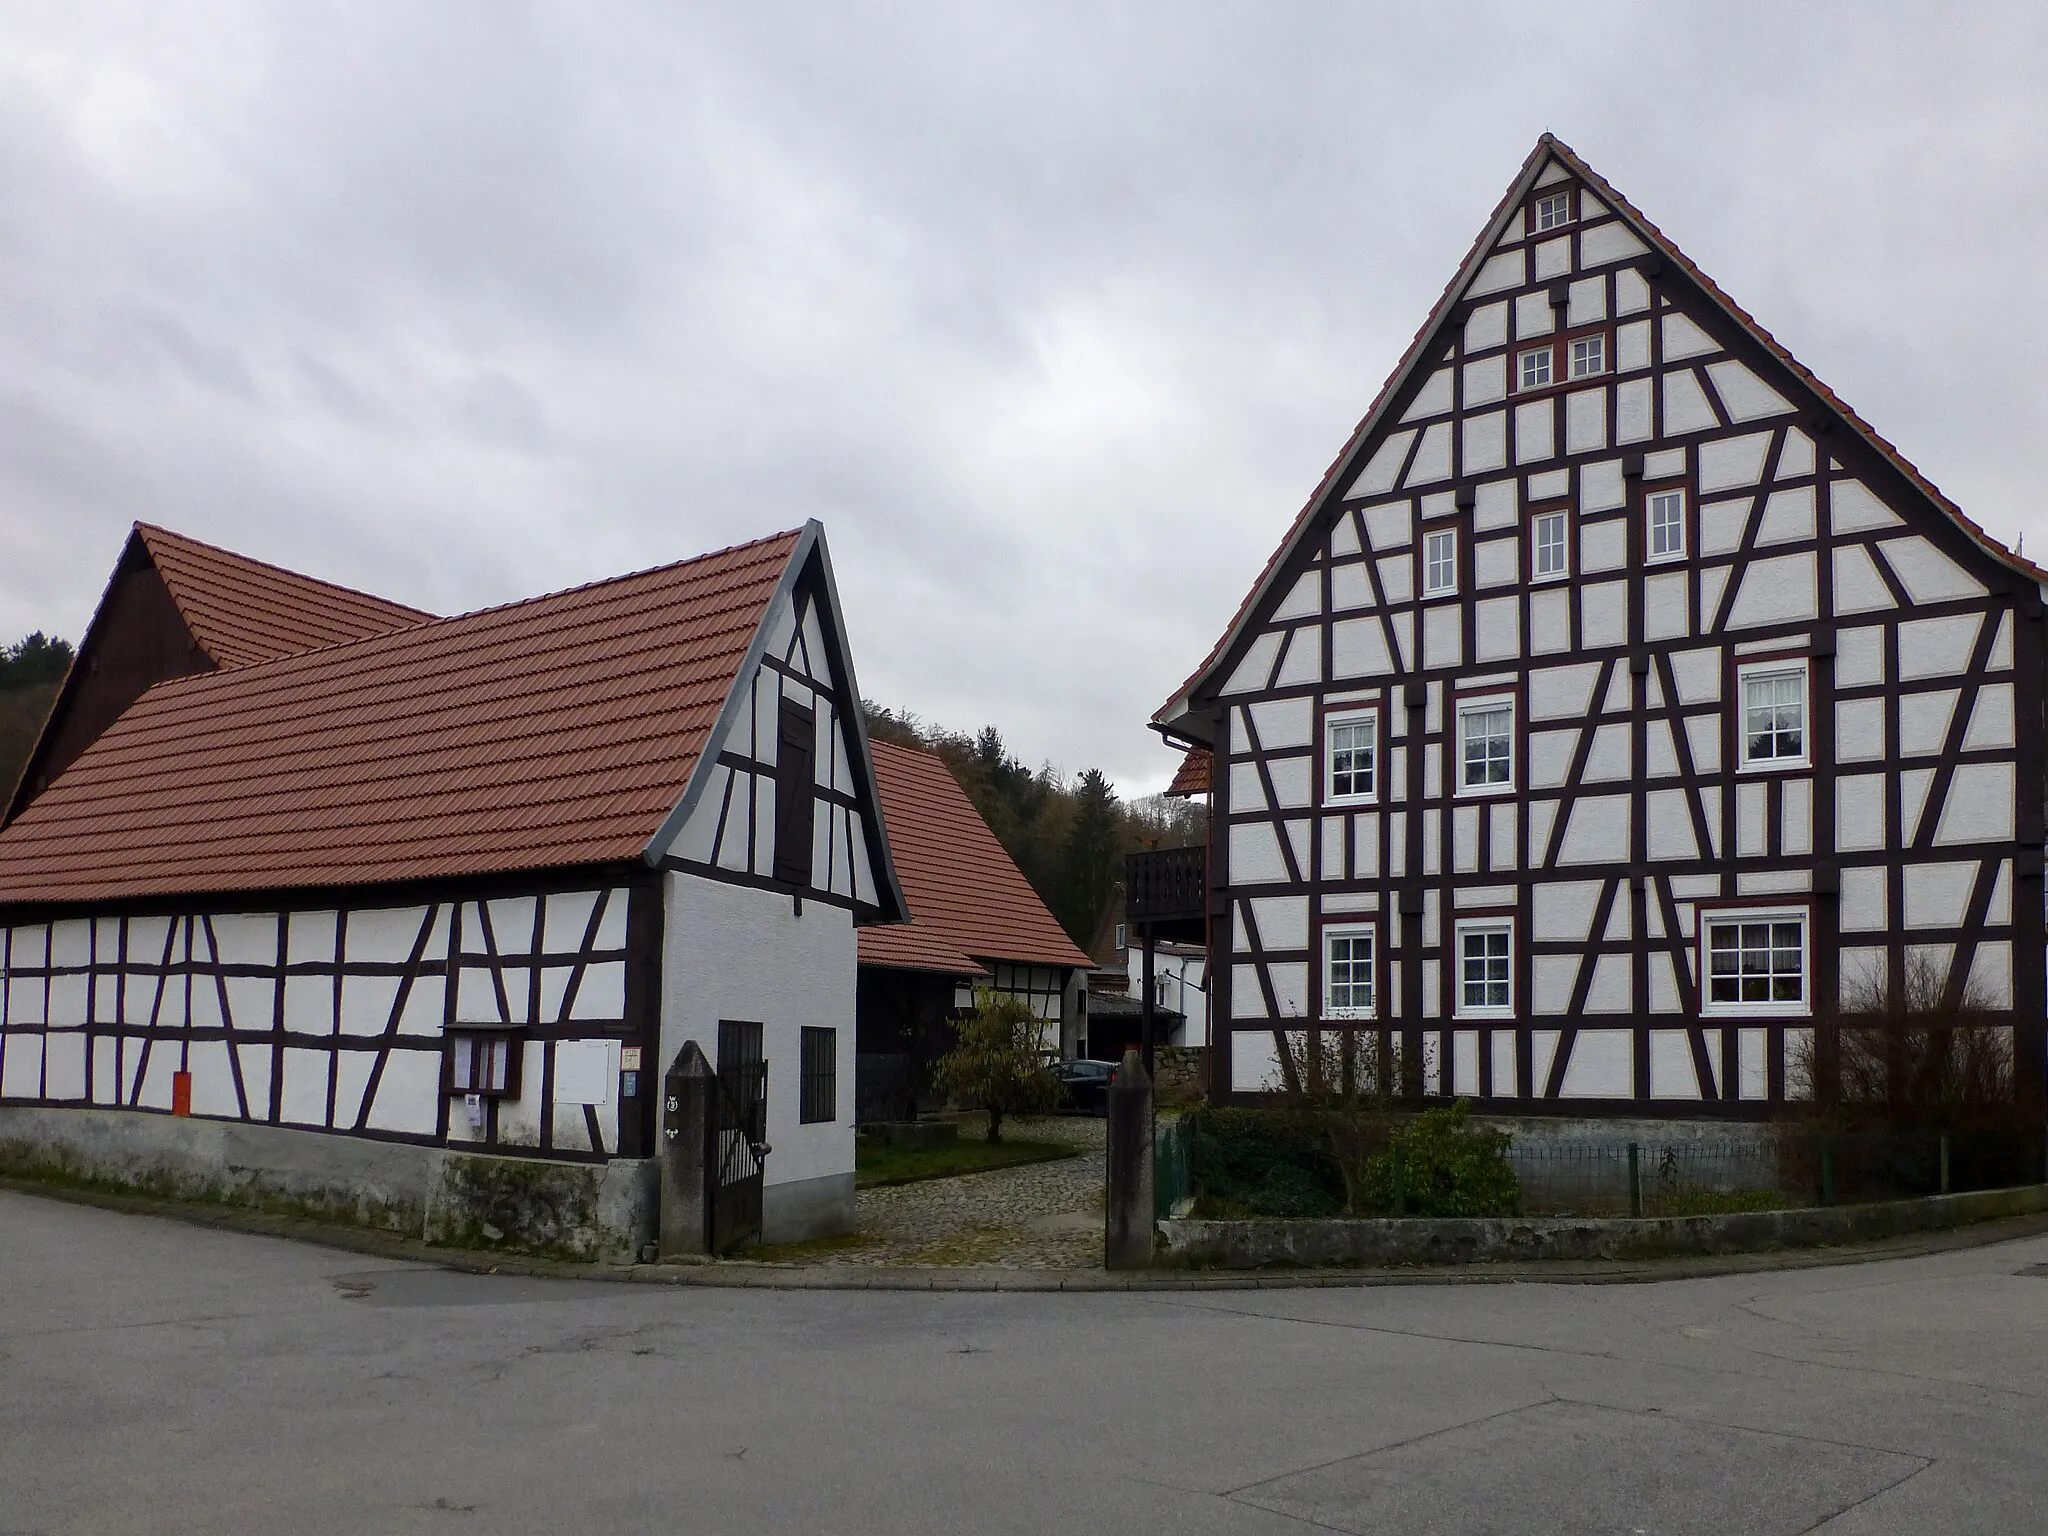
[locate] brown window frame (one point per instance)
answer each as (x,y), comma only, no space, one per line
(1571,542)
(1687,522)
(1460,542)
(1531,229)
(511,1041)
(1559,342)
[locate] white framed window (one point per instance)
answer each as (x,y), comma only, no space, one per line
(1588,356)
(1440,562)
(1756,960)
(1119,941)
(1533,367)
(1485,969)
(1349,985)
(1772,698)
(1666,528)
(1486,746)
(1550,551)
(1351,749)
(1553,209)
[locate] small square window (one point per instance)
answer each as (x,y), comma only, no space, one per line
(1667,525)
(1534,367)
(817,1075)
(1348,973)
(1589,356)
(1485,969)
(1440,562)
(1756,962)
(1486,747)
(1773,716)
(1351,747)
(1547,536)
(1553,209)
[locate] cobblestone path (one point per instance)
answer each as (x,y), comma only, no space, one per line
(1039,1216)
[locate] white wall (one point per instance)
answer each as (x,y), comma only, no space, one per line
(732,952)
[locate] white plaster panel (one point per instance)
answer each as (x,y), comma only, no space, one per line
(1744,396)
(1535,432)
(1497,562)
(1913,787)
(1795,459)
(1303,663)
(1247,787)
(1603,545)
(1495,504)
(1938,895)
(309,1004)
(1603,614)
(1936,647)
(1290,988)
(1697,673)
(1443,636)
(1550,621)
(310,936)
(1730,462)
(1778,590)
(1433,399)
(2000,659)
(1350,587)
(1608,242)
(1562,910)
(1667,607)
(1852,508)
(1712,579)
(1612,989)
(1433,458)
(1504,270)
(1283,723)
(1255,854)
(1749,818)
(1550,756)
(1290,777)
(1672,1073)
(303,1100)
(1542,813)
(1859,812)
(1533,316)
(1859,730)
(1403,626)
(1609,758)
(1598,832)
(1551,979)
(1344,535)
(1928,575)
(1859,656)
(1669,825)
(1486,327)
(21,1067)
(1383,467)
(600,992)
(1858,587)
(1683,338)
(1632,346)
(1358,648)
(1254,1061)
(1979,806)
(1251,675)
(1631,292)
(1586,301)
(1247,993)
(1685,405)
(1397,578)
(1633,417)
(1665,464)
(1602,1066)
(1788,517)
(1562,693)
(1553,258)
(1585,421)
(1303,600)
(1486,380)
(1862,904)
(240,938)
(1924,720)
(1722,524)
(1990,980)
(1795,831)
(1991,721)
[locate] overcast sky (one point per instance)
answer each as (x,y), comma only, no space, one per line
(1053,314)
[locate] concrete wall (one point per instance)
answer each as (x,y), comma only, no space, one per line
(732,952)
(568,1210)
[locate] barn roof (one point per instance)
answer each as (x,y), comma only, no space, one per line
(243,611)
(561,730)
(968,900)
(1176,715)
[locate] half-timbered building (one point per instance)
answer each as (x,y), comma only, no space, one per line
(1618,702)
(302,862)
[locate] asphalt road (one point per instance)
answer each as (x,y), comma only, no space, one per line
(159,1377)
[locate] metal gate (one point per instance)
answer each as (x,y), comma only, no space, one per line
(739,1136)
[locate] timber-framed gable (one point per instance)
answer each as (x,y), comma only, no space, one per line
(1656,635)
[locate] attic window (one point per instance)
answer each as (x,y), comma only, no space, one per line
(1533,367)
(1589,356)
(1553,209)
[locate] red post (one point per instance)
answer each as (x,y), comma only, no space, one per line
(181,1093)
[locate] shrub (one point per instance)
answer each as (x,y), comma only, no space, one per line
(1252,1162)
(1449,1168)
(999,1063)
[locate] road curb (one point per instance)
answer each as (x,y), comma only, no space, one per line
(739,1274)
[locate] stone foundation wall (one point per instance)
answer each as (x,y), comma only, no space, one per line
(583,1211)
(1182,1075)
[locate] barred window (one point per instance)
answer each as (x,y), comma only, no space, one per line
(817,1075)
(1757,959)
(1667,525)
(1487,744)
(1348,973)
(1484,984)
(1548,537)
(1352,746)
(1774,716)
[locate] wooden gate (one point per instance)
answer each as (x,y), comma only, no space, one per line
(738,1130)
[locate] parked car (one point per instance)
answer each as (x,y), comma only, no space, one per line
(1086,1084)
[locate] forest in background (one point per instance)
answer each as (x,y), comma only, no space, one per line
(30,670)
(1068,836)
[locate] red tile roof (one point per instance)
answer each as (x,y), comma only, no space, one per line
(1170,714)
(968,901)
(557,731)
(1192,777)
(243,611)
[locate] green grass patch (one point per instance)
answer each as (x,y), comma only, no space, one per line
(874,1166)
(1715,1202)
(804,1252)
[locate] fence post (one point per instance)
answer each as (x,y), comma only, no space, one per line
(1827,1170)
(1944,1162)
(1635,1179)
(1128,1199)
(685,1145)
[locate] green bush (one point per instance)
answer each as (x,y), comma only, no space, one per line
(1252,1162)
(1448,1168)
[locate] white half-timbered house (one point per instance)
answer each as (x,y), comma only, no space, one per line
(293,860)
(1618,700)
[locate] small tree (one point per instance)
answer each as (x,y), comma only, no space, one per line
(1338,1086)
(999,1063)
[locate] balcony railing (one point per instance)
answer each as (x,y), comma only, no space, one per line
(1166,885)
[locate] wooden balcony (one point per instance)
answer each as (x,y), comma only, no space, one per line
(1166,890)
